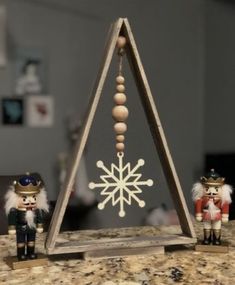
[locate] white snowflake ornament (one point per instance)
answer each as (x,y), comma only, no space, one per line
(121,184)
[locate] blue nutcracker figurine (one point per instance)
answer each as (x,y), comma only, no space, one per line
(26,204)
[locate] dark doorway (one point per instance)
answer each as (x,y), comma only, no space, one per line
(224,164)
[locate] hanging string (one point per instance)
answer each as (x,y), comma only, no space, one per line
(120,60)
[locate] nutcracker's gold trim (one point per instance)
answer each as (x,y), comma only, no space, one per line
(31,244)
(39,226)
(212,182)
(27,190)
(20,244)
(11,227)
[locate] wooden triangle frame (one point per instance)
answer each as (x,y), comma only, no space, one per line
(122,27)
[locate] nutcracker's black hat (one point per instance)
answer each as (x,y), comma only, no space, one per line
(212,178)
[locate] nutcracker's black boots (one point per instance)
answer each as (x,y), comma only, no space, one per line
(31,250)
(216,237)
(207,237)
(21,251)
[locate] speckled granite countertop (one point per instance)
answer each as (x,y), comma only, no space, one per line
(178,266)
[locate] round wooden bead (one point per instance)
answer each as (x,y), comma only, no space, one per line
(120,88)
(120,113)
(120,138)
(120,79)
(120,146)
(119,98)
(121,42)
(120,128)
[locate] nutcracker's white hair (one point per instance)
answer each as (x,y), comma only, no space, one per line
(226,194)
(42,202)
(197,191)
(11,199)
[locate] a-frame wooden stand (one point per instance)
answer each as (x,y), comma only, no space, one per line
(122,27)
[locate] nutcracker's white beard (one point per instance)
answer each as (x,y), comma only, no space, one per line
(30,219)
(212,209)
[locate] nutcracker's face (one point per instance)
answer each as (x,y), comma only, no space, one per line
(212,191)
(27,201)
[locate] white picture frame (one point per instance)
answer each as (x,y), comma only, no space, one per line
(39,111)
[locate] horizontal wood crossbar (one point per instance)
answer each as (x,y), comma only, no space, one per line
(114,243)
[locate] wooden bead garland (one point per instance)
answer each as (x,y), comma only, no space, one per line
(121,42)
(120,138)
(120,79)
(120,112)
(119,98)
(120,88)
(120,128)
(120,146)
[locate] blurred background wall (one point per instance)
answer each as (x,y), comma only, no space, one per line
(220,75)
(188,57)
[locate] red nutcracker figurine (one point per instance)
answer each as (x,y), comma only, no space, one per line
(26,203)
(212,198)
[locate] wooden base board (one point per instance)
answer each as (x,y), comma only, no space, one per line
(120,243)
(14,263)
(121,252)
(223,248)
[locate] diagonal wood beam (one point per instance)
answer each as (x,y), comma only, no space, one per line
(157,132)
(64,194)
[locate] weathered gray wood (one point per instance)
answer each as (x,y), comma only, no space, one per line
(121,27)
(157,132)
(120,252)
(137,242)
(79,148)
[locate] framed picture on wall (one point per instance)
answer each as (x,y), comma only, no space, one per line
(30,72)
(12,111)
(40,111)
